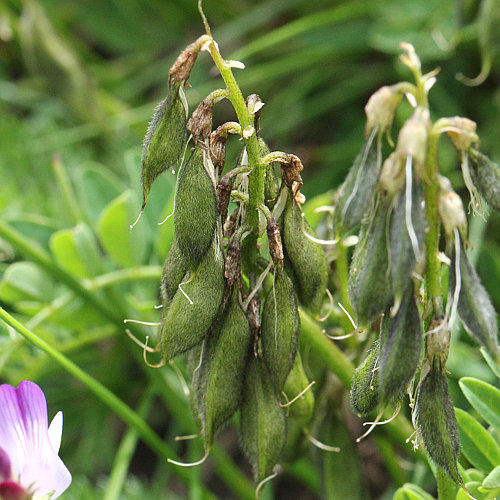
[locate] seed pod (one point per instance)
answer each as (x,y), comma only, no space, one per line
(400,349)
(174,270)
(486,177)
(280,329)
(412,139)
(302,408)
(165,138)
(263,423)
(306,258)
(369,287)
(406,239)
(224,359)
(365,383)
(193,369)
(474,305)
(381,108)
(186,323)
(356,194)
(195,210)
(435,422)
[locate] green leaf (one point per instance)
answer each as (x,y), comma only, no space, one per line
(411,492)
(491,362)
(475,489)
(25,281)
(477,445)
(484,398)
(97,188)
(124,246)
(492,480)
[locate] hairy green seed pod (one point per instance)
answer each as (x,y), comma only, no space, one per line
(195,209)
(191,313)
(356,195)
(435,422)
(369,287)
(406,239)
(280,329)
(193,369)
(165,138)
(474,305)
(400,350)
(486,177)
(306,258)
(224,359)
(365,383)
(174,270)
(263,423)
(296,382)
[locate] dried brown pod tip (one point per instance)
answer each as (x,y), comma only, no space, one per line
(181,69)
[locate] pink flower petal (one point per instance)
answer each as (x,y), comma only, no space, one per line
(25,438)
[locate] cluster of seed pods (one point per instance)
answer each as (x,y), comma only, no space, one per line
(237,321)
(413,231)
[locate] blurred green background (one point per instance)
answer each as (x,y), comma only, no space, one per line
(78,83)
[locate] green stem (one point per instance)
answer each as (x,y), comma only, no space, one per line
(125,452)
(256,177)
(102,393)
(431,192)
(447,489)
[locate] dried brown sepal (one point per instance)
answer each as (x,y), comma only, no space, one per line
(200,123)
(275,244)
(230,224)
(291,166)
(223,189)
(232,269)
(254,107)
(253,317)
(217,148)
(181,69)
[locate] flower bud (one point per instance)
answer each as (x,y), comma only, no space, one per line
(412,139)
(280,329)
(263,423)
(392,175)
(451,209)
(381,108)
(464,136)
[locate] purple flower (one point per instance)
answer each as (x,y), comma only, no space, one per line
(29,461)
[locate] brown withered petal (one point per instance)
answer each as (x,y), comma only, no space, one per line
(181,69)
(290,173)
(275,245)
(232,270)
(200,123)
(223,190)
(217,148)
